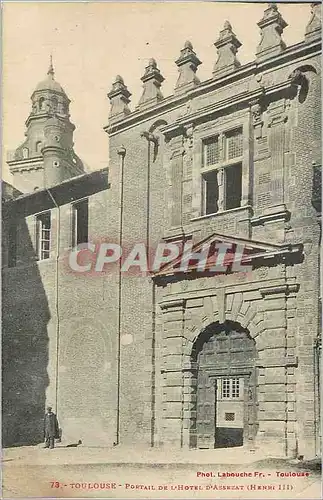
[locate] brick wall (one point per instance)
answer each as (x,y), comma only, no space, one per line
(115,349)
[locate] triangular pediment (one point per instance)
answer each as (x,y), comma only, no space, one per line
(221,254)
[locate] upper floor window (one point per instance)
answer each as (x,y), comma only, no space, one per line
(38,146)
(25,152)
(54,103)
(80,222)
(211,151)
(233,144)
(42,103)
(222,172)
(43,235)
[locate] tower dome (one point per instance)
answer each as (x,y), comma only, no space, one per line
(49,96)
(50,83)
(48,148)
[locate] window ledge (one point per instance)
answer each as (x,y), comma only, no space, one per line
(219,214)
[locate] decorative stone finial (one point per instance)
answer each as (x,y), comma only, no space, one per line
(119,99)
(152,63)
(152,80)
(50,71)
(313,29)
(271,25)
(187,66)
(227,46)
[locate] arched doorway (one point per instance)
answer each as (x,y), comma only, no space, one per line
(226,401)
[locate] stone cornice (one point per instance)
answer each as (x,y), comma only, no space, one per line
(273,363)
(276,214)
(286,289)
(253,252)
(175,305)
(25,161)
(232,101)
(172,102)
(232,288)
(35,163)
(47,115)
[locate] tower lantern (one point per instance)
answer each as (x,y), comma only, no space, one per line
(48,126)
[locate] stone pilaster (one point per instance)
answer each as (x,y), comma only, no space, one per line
(119,100)
(152,80)
(176,175)
(187,66)
(277,119)
(172,372)
(274,211)
(256,117)
(314,29)
(276,365)
(271,25)
(187,174)
(189,408)
(227,46)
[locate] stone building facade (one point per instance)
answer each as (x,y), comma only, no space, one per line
(182,358)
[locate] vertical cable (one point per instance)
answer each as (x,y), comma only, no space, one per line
(151,138)
(122,154)
(56,297)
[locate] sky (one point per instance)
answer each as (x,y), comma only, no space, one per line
(93,42)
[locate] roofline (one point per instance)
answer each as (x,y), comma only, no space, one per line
(103,171)
(294,52)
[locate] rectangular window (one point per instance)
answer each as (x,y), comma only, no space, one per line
(223,151)
(232,186)
(230,388)
(211,192)
(226,388)
(235,387)
(233,144)
(43,236)
(80,222)
(211,151)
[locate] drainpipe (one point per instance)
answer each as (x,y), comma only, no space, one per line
(122,153)
(58,228)
(151,139)
(316,203)
(317,385)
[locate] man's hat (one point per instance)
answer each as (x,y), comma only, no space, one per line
(49,408)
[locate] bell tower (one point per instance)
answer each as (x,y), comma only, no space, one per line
(46,157)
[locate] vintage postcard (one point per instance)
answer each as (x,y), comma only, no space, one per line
(161,231)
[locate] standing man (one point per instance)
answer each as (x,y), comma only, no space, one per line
(51,429)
